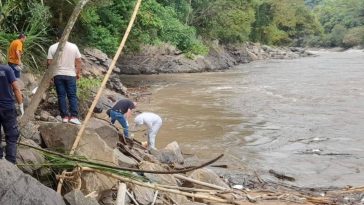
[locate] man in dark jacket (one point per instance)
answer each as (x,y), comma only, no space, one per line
(122,112)
(8,121)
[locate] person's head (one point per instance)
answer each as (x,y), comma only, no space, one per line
(22,37)
(59,34)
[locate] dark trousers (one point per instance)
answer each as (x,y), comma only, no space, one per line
(66,87)
(10,125)
(16,69)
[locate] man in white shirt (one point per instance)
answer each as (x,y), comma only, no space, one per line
(67,72)
(153,122)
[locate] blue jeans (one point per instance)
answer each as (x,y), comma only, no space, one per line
(15,69)
(10,126)
(66,86)
(121,119)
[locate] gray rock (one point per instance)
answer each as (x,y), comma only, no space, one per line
(94,147)
(96,53)
(19,188)
(30,131)
(123,160)
(143,195)
(58,135)
(31,158)
(207,175)
(170,154)
(76,197)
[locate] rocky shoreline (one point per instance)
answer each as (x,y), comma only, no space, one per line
(99,143)
(166,59)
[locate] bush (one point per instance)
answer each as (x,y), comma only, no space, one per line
(354,37)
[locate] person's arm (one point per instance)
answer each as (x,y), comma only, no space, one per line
(128,114)
(78,65)
(18,54)
(17,92)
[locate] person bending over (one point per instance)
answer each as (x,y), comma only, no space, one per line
(153,123)
(121,112)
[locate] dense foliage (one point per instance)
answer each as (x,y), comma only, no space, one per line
(189,25)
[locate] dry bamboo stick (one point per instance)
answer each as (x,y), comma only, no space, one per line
(106,78)
(120,200)
(156,186)
(132,197)
(155,197)
(201,183)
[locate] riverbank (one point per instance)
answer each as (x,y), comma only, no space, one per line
(167,59)
(102,134)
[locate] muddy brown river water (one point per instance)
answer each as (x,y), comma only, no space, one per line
(303,117)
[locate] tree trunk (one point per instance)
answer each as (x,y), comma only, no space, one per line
(44,84)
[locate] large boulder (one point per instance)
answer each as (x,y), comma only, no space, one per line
(95,148)
(19,188)
(59,136)
(106,131)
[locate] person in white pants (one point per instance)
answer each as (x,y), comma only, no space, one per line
(153,122)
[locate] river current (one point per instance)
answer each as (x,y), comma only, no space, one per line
(302,117)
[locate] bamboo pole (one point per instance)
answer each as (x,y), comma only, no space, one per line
(45,82)
(155,186)
(106,78)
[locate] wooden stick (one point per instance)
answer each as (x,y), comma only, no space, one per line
(156,186)
(106,78)
(120,199)
(132,197)
(155,197)
(201,183)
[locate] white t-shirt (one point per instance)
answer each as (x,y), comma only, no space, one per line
(147,118)
(66,64)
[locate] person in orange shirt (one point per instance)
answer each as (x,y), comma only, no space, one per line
(15,52)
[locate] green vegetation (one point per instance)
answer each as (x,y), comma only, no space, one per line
(188,25)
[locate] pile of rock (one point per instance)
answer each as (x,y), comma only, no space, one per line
(99,144)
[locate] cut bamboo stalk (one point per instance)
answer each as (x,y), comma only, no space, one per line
(156,187)
(120,200)
(201,183)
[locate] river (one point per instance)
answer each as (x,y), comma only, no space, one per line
(303,117)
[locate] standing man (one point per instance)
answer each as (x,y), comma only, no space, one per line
(122,112)
(15,53)
(153,122)
(9,88)
(67,72)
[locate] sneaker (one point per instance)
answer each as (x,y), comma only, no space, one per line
(65,120)
(75,120)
